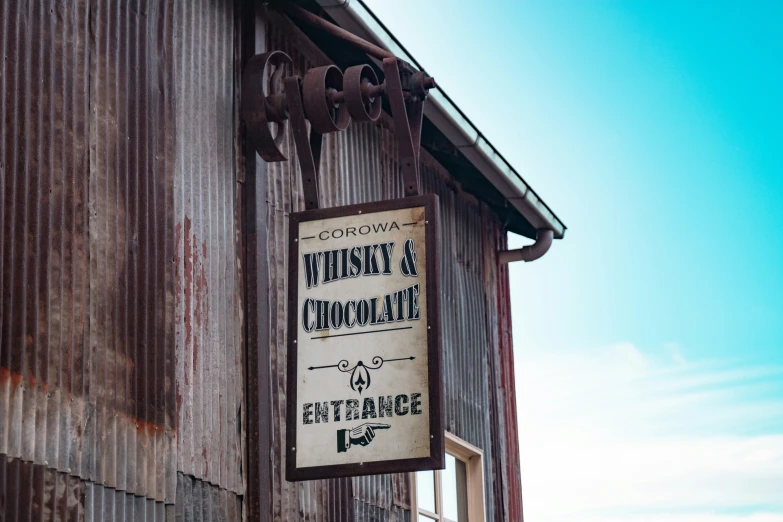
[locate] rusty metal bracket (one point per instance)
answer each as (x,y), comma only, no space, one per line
(407,118)
(304,148)
(330,99)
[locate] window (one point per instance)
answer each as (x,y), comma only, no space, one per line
(455,494)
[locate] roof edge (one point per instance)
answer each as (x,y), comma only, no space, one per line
(451,121)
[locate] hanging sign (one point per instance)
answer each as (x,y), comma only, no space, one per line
(364,358)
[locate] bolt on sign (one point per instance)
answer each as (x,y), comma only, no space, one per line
(364,358)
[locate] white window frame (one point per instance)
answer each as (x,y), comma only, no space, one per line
(473,458)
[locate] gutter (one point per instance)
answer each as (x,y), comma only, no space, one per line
(452,122)
(530,252)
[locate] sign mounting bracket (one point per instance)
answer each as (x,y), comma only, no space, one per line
(329,99)
(308,149)
(408,115)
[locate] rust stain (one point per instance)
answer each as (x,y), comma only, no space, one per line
(201,310)
(150,428)
(196,289)
(178,302)
(178,282)
(17,379)
(178,394)
(195,349)
(188,274)
(7,375)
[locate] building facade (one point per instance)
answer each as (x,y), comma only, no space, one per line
(143,263)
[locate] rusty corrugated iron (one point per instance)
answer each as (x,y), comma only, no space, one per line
(506,393)
(121,314)
(200,501)
(118,264)
(33,493)
(466,325)
(208,306)
(497,319)
(85,386)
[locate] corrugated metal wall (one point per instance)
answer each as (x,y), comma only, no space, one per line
(120,318)
(466,326)
(200,501)
(506,481)
(505,414)
(208,307)
(39,493)
(360,165)
(87,234)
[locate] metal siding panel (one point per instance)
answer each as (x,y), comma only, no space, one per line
(109,111)
(200,501)
(507,391)
(84,238)
(465,321)
(208,348)
(506,479)
(47,495)
(498,482)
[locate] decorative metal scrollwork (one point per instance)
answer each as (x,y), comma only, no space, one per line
(360,372)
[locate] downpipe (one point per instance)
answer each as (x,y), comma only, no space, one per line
(529,253)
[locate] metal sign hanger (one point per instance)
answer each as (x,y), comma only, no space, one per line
(329,99)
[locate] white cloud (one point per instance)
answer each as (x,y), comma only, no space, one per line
(689,517)
(674,350)
(616,434)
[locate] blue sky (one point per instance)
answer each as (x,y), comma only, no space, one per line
(649,342)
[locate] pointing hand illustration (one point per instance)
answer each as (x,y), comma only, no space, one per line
(364,433)
(361,435)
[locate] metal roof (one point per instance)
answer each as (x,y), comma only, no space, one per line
(452,122)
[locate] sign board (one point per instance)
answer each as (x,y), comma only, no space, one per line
(364,357)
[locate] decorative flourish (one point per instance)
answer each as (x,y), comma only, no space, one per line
(360,372)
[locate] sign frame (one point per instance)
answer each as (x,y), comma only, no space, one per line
(436,459)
